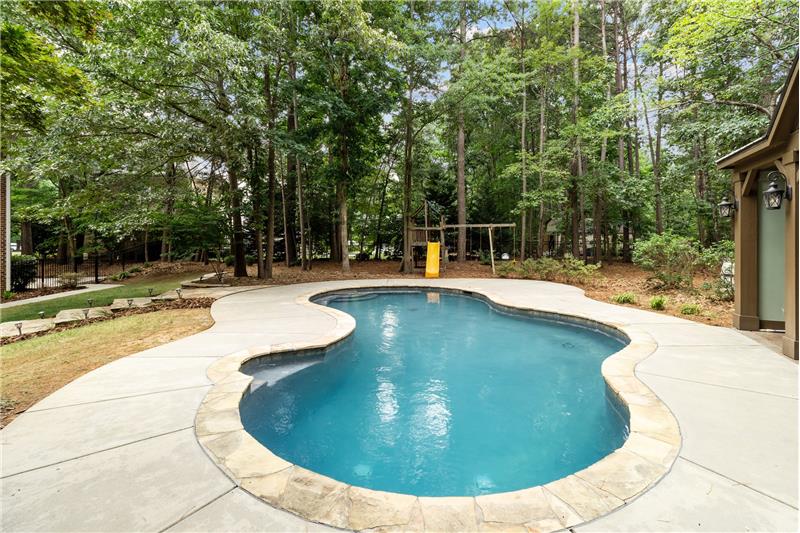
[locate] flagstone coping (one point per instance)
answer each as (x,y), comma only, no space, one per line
(645,457)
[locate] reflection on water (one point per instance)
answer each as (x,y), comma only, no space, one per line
(437,394)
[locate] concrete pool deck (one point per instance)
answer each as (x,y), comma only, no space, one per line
(116,449)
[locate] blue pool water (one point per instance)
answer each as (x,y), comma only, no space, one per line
(440,394)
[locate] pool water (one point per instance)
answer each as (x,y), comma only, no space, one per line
(439,394)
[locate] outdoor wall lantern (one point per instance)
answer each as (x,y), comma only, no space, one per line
(726,207)
(773,196)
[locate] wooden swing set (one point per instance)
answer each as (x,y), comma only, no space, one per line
(419,236)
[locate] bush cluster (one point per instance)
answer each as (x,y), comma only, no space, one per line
(23,271)
(69,280)
(672,259)
(569,269)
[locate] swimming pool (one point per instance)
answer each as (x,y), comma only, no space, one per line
(439,394)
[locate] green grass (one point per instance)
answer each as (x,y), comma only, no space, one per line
(135,288)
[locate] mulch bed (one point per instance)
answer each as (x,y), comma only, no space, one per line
(183,303)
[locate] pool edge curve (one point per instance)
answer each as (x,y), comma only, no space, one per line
(604,486)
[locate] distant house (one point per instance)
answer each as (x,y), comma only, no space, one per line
(765,224)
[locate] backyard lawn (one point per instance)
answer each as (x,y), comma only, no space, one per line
(32,368)
(134,288)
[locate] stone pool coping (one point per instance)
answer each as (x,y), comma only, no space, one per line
(645,457)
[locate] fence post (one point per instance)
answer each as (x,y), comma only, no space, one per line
(41,270)
(97,268)
(75,264)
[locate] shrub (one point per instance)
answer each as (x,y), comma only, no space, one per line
(229,260)
(119,277)
(690,309)
(506,268)
(485,258)
(23,271)
(147,264)
(575,270)
(723,288)
(624,298)
(659,303)
(545,268)
(135,270)
(719,253)
(69,280)
(672,259)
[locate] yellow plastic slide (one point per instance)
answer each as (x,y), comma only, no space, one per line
(432,261)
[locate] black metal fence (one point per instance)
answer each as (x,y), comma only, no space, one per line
(46,271)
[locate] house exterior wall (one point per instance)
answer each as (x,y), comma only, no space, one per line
(784,158)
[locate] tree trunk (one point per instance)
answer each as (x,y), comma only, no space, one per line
(237,244)
(258,218)
(170,180)
(290,231)
(523,144)
(408,266)
(700,193)
(26,230)
(574,204)
(341,200)
(378,236)
(618,78)
(597,211)
(460,155)
(542,136)
(270,233)
(282,183)
(301,206)
(146,244)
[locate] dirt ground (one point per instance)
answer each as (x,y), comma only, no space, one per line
(625,277)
